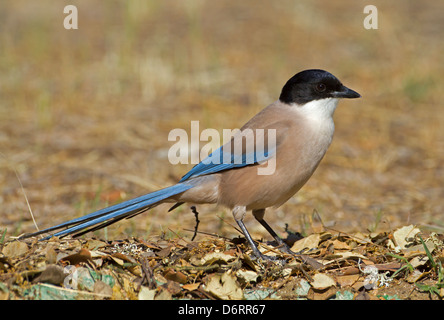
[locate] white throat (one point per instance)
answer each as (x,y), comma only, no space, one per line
(320,110)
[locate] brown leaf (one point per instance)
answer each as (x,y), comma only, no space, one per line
(363,296)
(15,249)
(173,287)
(340,245)
(123,257)
(191,286)
(53,274)
(322,281)
(164,294)
(392,266)
(224,287)
(348,280)
(83,256)
(51,255)
(314,294)
(310,242)
(164,252)
(175,276)
(216,257)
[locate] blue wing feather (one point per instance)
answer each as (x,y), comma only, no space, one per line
(217,162)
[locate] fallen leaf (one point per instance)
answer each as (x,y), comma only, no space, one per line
(191,286)
(53,274)
(117,260)
(322,281)
(175,276)
(391,266)
(419,261)
(363,295)
(247,276)
(83,256)
(318,294)
(405,236)
(224,287)
(415,276)
(15,249)
(340,245)
(164,294)
(214,257)
(414,250)
(310,242)
(345,255)
(94,244)
(173,287)
(164,252)
(51,255)
(347,280)
(146,294)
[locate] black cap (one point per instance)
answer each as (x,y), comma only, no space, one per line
(314,84)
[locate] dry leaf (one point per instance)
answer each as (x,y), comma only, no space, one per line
(345,255)
(324,294)
(164,252)
(310,242)
(415,276)
(247,276)
(173,287)
(83,256)
(405,236)
(53,274)
(191,286)
(322,281)
(164,294)
(175,276)
(214,257)
(224,287)
(419,261)
(340,245)
(15,249)
(351,280)
(146,294)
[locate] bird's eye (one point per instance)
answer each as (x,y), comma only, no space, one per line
(320,87)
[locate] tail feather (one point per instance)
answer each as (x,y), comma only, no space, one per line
(104,217)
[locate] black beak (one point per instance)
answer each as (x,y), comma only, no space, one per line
(346,93)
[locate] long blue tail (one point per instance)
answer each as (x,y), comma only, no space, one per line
(104,217)
(112,214)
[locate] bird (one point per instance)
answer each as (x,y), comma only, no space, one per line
(301,123)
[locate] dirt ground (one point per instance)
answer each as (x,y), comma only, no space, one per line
(85,116)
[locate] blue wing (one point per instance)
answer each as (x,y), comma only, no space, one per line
(221,160)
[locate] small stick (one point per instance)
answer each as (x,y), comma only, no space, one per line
(147,274)
(196,215)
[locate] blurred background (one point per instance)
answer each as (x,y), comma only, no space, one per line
(85,114)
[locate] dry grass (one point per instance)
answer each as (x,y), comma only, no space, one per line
(85,114)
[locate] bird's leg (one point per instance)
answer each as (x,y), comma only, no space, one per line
(239,214)
(259,215)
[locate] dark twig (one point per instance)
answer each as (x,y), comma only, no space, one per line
(148,274)
(196,215)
